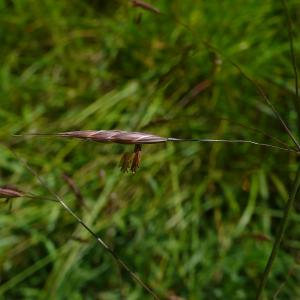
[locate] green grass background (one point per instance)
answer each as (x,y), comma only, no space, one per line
(197,221)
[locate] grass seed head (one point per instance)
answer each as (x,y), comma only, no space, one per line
(10,192)
(115,136)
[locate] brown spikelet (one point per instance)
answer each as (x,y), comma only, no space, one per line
(145,6)
(132,162)
(136,161)
(10,192)
(125,162)
(115,136)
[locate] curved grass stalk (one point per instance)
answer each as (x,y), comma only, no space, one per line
(142,138)
(238,141)
(36,197)
(80,221)
(293,60)
(254,129)
(258,88)
(296,185)
(263,95)
(132,162)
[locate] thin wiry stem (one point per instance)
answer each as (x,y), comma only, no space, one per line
(279,235)
(97,238)
(293,59)
(135,138)
(257,130)
(253,82)
(231,141)
(296,185)
(36,197)
(259,90)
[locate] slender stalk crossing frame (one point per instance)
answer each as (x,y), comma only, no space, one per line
(141,138)
(263,95)
(80,221)
(293,60)
(296,185)
(246,76)
(261,92)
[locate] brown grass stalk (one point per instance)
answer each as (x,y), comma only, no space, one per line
(115,256)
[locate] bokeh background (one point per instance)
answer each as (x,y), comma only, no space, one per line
(197,221)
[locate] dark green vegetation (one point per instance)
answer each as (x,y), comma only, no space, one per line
(197,220)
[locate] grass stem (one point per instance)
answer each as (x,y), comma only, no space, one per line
(81,222)
(279,235)
(293,60)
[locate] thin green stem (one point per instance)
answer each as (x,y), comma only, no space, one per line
(83,224)
(236,141)
(258,88)
(296,184)
(293,60)
(279,235)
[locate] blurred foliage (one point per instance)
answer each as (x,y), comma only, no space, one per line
(197,221)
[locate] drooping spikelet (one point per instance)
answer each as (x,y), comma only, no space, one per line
(136,161)
(125,162)
(131,161)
